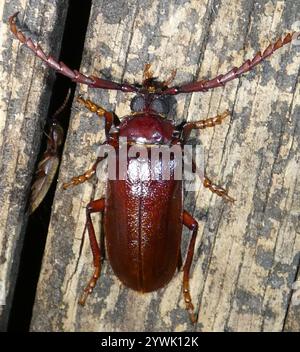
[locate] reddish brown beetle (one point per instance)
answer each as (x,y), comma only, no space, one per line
(143,246)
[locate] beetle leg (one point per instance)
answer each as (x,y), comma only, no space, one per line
(217,189)
(199,125)
(110,118)
(221,80)
(95,206)
(192,225)
(76,180)
(207,183)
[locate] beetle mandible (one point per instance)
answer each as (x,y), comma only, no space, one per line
(143,247)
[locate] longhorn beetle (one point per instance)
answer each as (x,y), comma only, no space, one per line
(143,218)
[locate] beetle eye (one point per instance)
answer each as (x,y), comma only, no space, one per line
(137,103)
(160,106)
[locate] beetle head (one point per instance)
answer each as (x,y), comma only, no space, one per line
(150,97)
(159,104)
(151,84)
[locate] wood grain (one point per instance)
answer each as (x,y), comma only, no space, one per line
(247,254)
(25,91)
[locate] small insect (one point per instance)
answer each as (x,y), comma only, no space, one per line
(143,218)
(47,167)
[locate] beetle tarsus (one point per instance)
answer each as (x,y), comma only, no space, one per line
(220,191)
(110,119)
(188,303)
(91,106)
(95,206)
(201,124)
(212,121)
(77,180)
(190,307)
(90,286)
(192,225)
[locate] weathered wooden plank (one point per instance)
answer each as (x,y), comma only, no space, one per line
(292,321)
(24,97)
(247,254)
